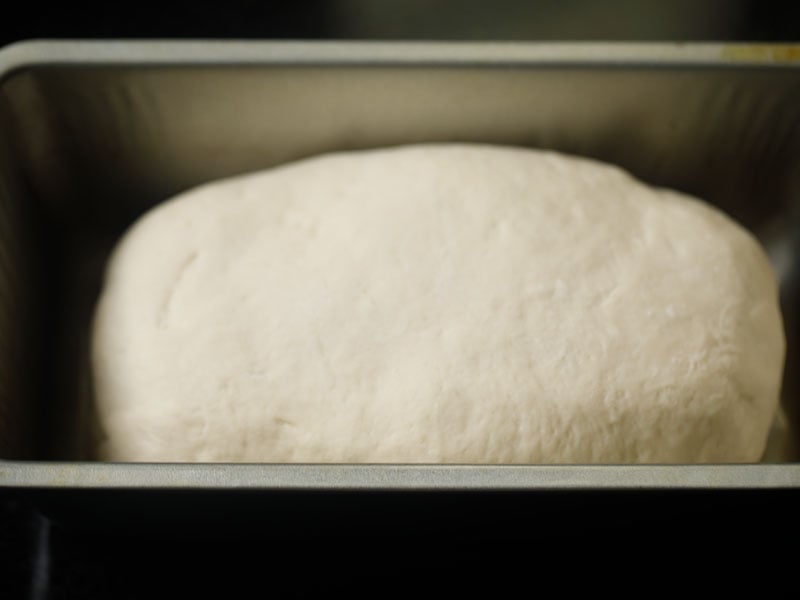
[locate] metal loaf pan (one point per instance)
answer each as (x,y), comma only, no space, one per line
(95,133)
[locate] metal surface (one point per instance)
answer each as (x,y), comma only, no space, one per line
(95,133)
(273,477)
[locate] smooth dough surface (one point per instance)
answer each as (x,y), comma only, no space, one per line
(449,303)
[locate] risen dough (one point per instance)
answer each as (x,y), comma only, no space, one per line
(437,303)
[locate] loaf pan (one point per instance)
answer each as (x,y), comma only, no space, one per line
(95,133)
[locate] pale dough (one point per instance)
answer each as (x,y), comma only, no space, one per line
(447,303)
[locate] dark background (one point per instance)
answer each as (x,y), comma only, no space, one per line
(407,19)
(419,545)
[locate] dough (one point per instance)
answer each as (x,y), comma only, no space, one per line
(441,304)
